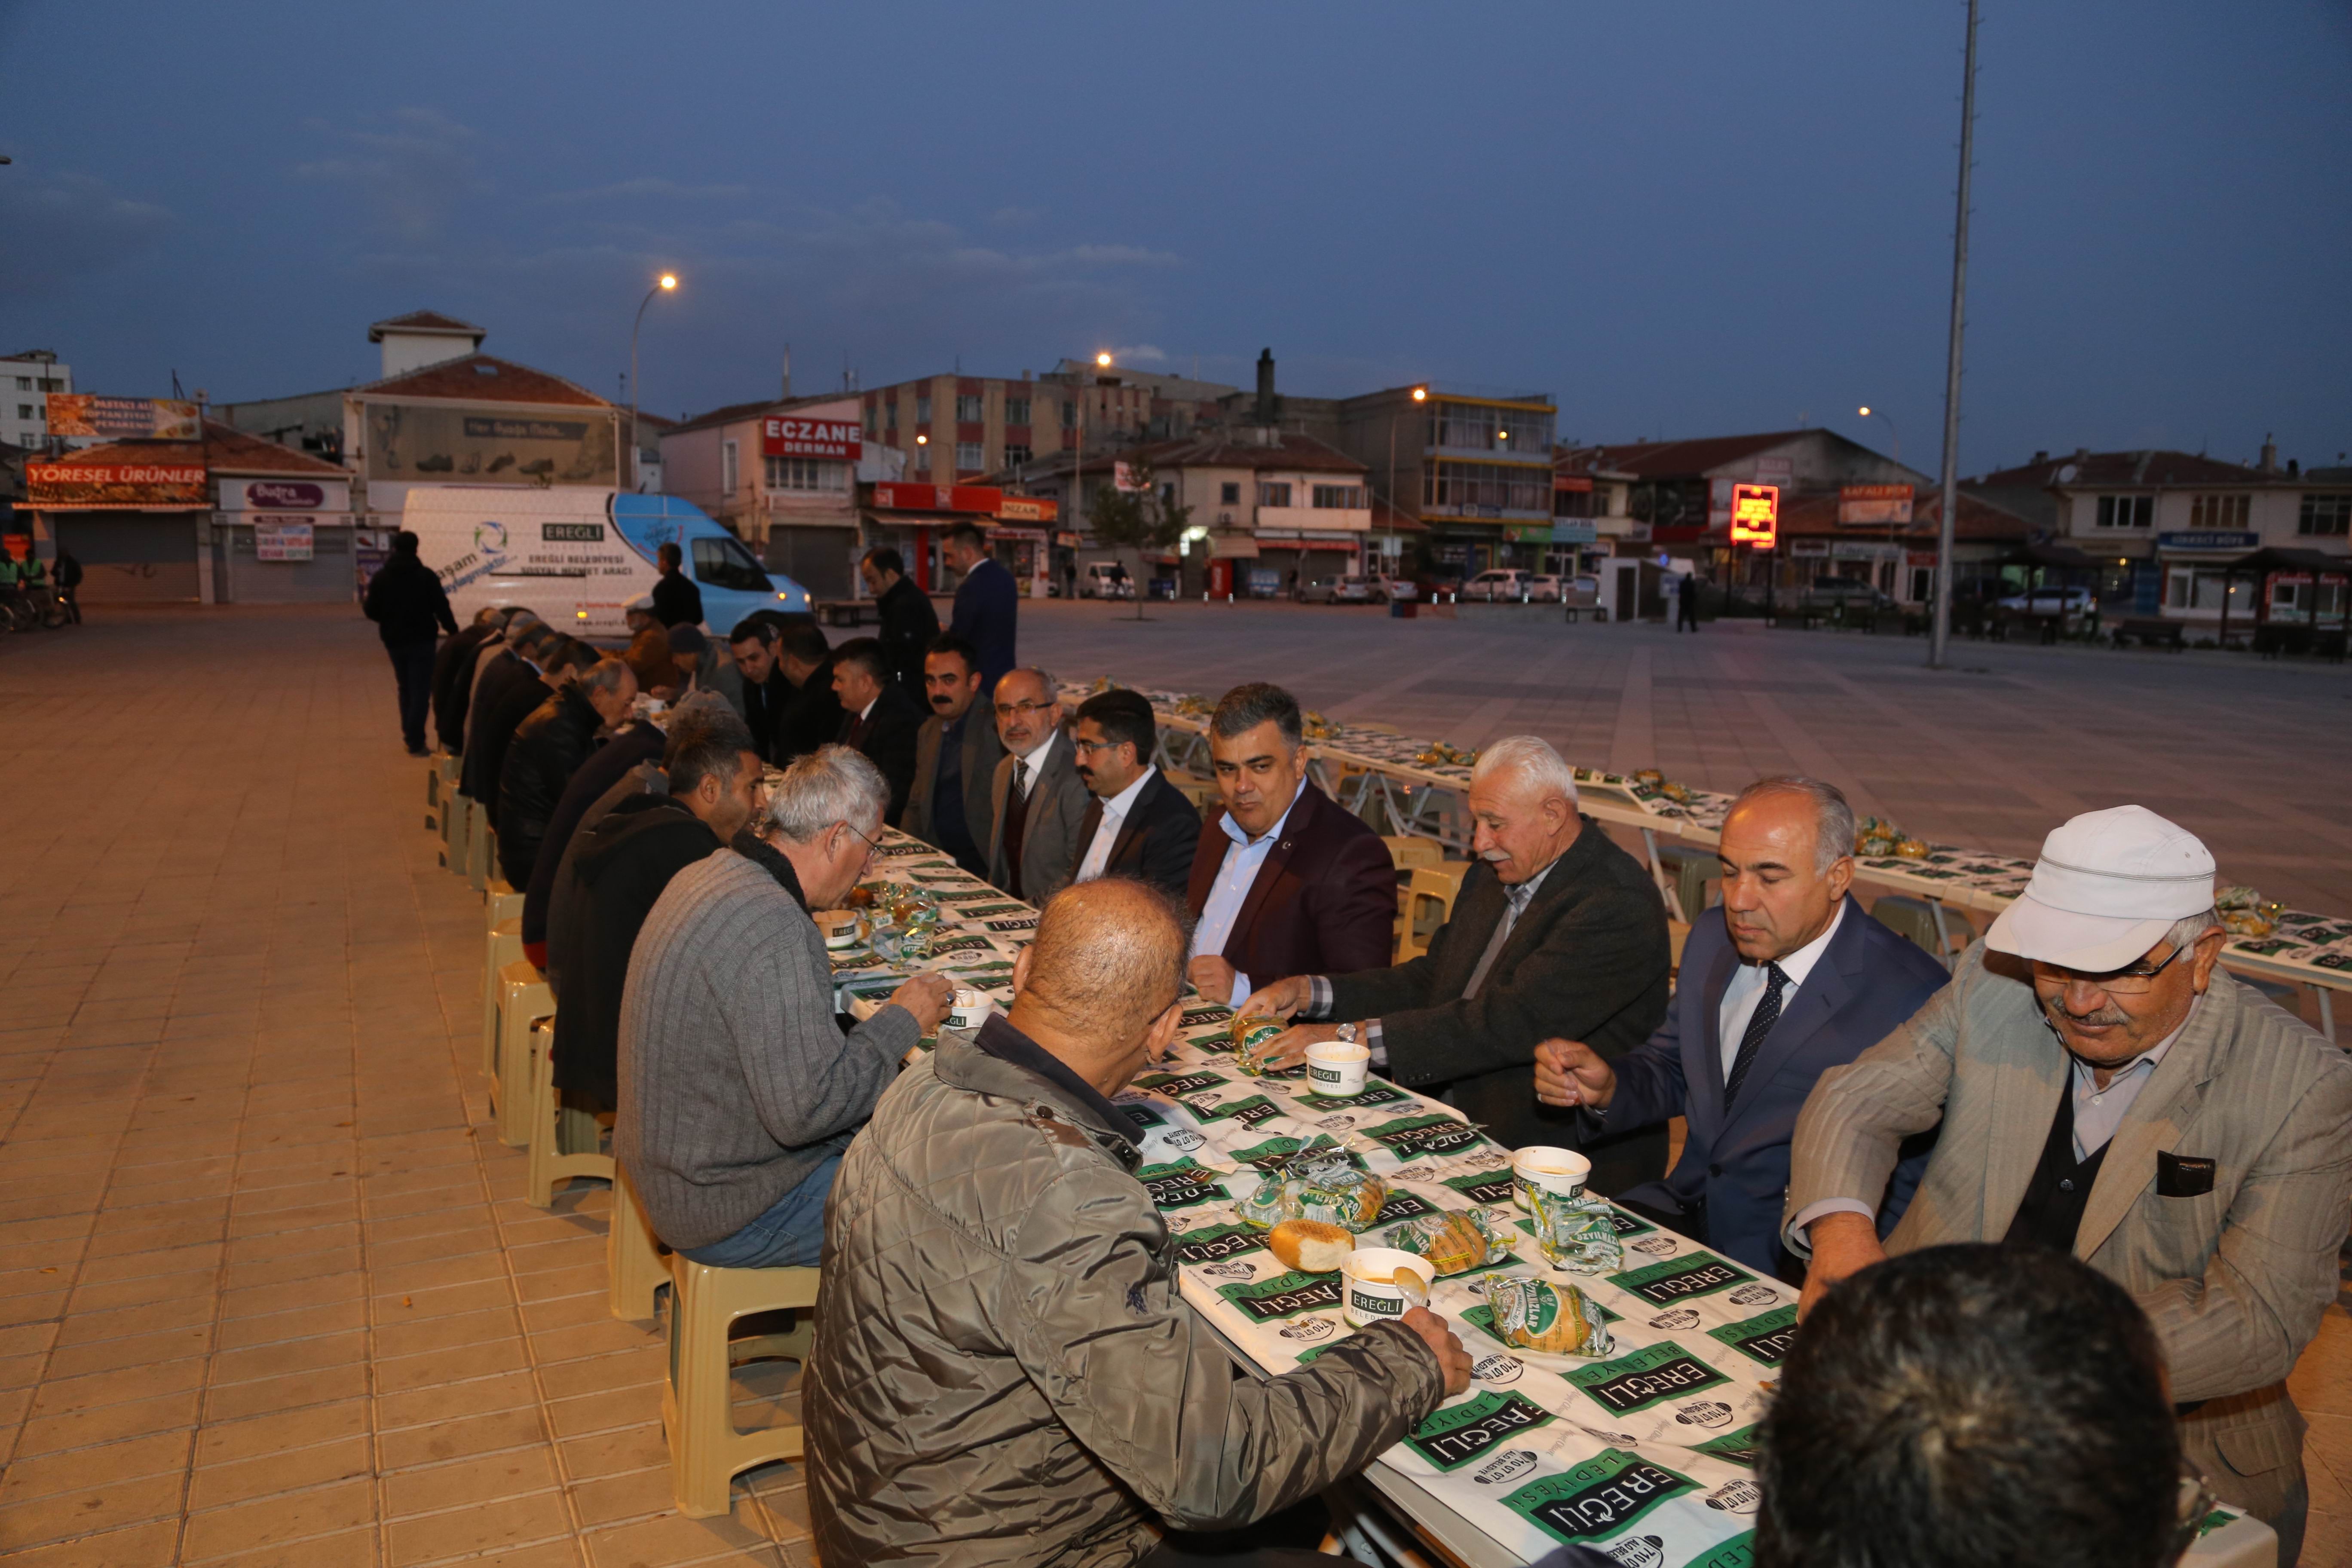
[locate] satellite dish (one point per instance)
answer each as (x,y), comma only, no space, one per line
(2066,472)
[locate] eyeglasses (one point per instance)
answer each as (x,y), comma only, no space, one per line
(1090,747)
(872,843)
(2132,980)
(1008,710)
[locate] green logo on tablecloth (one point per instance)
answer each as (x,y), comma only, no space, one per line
(1764,1338)
(1180,1185)
(1626,1225)
(1175,1084)
(1651,1375)
(1374,1094)
(1740,1552)
(1461,1433)
(1680,1279)
(1598,1498)
(1215,1243)
(1401,1206)
(1143,1116)
(1265,1156)
(1202,1017)
(1739,1447)
(981,911)
(1249,1113)
(1284,1296)
(1486,1187)
(1411,1137)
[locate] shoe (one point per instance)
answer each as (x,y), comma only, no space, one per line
(418,751)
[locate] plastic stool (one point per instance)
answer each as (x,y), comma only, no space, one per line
(706,1451)
(635,1267)
(549,1164)
(503,946)
(481,846)
(456,828)
(1439,885)
(523,1000)
(502,902)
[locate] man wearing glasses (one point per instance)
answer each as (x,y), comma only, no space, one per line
(2104,1089)
(738,1089)
(1036,800)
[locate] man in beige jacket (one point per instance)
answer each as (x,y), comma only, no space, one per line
(2104,1089)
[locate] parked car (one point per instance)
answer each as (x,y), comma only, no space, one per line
(1503,584)
(1848,594)
(2052,601)
(1583,593)
(1105,580)
(1385,589)
(1335,591)
(1542,588)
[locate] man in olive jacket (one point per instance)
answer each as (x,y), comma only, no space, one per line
(1003,1369)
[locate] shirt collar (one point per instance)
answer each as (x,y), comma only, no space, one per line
(1122,803)
(863,713)
(1234,829)
(1036,759)
(1800,964)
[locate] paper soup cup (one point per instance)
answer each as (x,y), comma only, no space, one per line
(969,1011)
(1336,1068)
(840,928)
(1378,1282)
(1559,1171)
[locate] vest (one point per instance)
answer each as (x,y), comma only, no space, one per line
(2060,1188)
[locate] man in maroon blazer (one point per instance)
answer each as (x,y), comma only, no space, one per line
(1284,880)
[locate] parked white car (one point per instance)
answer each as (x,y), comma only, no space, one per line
(1542,588)
(1334,591)
(1105,580)
(1386,589)
(1503,585)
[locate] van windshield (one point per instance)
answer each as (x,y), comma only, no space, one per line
(725,564)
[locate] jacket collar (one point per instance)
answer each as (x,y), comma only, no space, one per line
(1002,1061)
(755,849)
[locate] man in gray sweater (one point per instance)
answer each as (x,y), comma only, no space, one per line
(738,1089)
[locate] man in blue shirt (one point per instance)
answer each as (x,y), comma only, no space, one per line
(987,606)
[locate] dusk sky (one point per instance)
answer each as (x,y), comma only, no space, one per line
(1679,220)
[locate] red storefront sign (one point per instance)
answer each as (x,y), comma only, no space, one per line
(784,436)
(1756,515)
(115,484)
(1027,508)
(893,495)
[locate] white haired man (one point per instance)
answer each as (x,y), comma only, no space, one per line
(737,1091)
(1557,934)
(2105,1089)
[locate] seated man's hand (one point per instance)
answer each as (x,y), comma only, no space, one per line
(1288,1048)
(928,998)
(1569,1073)
(1213,977)
(1844,1244)
(1282,999)
(1444,1344)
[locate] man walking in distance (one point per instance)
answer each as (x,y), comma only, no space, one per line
(405,600)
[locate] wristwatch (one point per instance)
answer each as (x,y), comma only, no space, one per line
(1348,1033)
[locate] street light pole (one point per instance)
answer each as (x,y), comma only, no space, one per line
(1940,633)
(662,285)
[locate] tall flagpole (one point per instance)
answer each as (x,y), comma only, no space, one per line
(1939,639)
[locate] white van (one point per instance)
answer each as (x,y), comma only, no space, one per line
(575,557)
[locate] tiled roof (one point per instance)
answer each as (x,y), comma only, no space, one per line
(481,378)
(1816,512)
(1218,447)
(1668,460)
(424,321)
(2104,470)
(224,450)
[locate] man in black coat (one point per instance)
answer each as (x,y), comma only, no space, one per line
(522,665)
(765,689)
(987,603)
(405,600)
(1557,934)
(548,748)
(878,717)
(955,758)
(1139,824)
(453,671)
(810,718)
(495,726)
(909,622)
(676,600)
(613,876)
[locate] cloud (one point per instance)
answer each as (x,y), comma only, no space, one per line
(412,175)
(59,229)
(648,188)
(1015,217)
(1139,354)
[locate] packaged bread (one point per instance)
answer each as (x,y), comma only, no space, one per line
(1453,1243)
(1576,1233)
(1250,1035)
(1310,1246)
(1319,1182)
(1536,1315)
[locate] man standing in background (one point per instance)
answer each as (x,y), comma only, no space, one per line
(987,605)
(405,600)
(908,623)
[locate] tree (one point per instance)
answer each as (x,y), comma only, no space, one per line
(1140,519)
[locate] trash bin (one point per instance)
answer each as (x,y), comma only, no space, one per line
(1401,609)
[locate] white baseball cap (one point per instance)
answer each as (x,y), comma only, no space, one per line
(2108,886)
(642,602)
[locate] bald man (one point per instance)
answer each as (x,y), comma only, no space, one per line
(1003,1369)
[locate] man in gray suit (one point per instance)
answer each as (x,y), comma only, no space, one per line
(1036,800)
(956,752)
(2105,1089)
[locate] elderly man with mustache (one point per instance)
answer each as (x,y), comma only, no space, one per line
(2104,1089)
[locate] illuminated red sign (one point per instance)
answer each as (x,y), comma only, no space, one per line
(784,436)
(897,496)
(1756,515)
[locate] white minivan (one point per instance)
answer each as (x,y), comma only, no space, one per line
(1504,583)
(576,556)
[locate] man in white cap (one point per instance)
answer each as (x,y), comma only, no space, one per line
(2105,1089)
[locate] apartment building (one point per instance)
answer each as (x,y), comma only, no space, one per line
(25,380)
(955,427)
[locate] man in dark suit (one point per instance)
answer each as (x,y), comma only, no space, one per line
(987,603)
(1137,825)
(909,625)
(762,689)
(1788,979)
(877,715)
(676,600)
(453,671)
(1036,800)
(810,718)
(955,758)
(1284,880)
(1555,923)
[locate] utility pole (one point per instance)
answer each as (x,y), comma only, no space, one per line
(1940,634)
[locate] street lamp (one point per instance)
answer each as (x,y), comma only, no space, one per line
(667,282)
(1880,414)
(1103,360)
(1420,394)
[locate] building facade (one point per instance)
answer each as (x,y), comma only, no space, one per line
(1475,470)
(782,475)
(26,379)
(956,428)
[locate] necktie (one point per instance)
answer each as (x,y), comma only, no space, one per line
(1760,1024)
(1515,903)
(1021,777)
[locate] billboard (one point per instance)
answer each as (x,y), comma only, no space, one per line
(413,442)
(1027,508)
(282,541)
(123,419)
(1873,503)
(1756,515)
(115,484)
(786,436)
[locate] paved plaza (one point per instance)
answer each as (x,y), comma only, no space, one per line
(269,1292)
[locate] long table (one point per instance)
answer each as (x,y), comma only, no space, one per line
(1646,1451)
(1381,776)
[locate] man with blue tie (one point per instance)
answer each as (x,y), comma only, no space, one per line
(1786,980)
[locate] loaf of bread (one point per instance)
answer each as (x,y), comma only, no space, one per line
(1310,1246)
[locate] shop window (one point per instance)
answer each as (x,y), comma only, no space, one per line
(2220,512)
(1070,414)
(2325,516)
(968,409)
(2126,511)
(24,411)
(1272,494)
(1016,411)
(806,474)
(1340,498)
(1229,494)
(971,455)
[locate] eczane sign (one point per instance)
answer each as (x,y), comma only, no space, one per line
(785,436)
